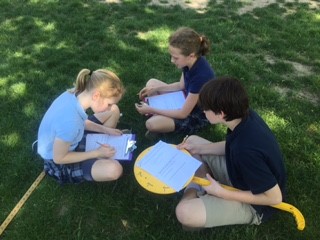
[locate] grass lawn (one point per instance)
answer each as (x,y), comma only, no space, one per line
(274,50)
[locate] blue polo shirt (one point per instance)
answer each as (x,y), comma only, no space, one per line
(195,77)
(254,159)
(200,73)
(65,119)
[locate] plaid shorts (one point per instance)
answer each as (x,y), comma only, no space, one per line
(72,173)
(192,124)
(64,173)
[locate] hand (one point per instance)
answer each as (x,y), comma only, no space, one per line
(113,131)
(192,148)
(214,188)
(106,151)
(143,108)
(145,92)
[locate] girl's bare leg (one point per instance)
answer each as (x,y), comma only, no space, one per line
(109,118)
(154,83)
(106,170)
(160,124)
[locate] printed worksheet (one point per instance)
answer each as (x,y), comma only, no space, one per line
(167,101)
(120,143)
(170,165)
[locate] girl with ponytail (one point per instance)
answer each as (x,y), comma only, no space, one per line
(63,125)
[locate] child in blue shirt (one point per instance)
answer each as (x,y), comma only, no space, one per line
(64,123)
(187,49)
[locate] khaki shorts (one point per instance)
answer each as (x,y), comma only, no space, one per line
(220,212)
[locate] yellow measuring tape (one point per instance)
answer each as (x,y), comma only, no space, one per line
(25,197)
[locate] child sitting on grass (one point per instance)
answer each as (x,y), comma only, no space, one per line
(187,49)
(64,123)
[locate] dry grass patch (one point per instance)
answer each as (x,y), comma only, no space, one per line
(201,5)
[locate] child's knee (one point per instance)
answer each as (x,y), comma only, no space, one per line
(106,170)
(183,213)
(115,109)
(150,126)
(153,82)
(116,172)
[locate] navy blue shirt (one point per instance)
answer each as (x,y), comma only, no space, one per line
(200,73)
(195,77)
(254,159)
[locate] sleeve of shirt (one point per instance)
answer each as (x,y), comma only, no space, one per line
(67,132)
(256,173)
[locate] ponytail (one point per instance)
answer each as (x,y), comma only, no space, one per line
(189,41)
(82,80)
(106,81)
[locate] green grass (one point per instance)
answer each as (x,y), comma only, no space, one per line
(44,44)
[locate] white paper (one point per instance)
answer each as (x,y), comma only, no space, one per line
(169,165)
(168,101)
(120,143)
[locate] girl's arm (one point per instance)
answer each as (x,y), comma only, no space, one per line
(171,87)
(62,155)
(161,88)
(92,126)
(188,106)
(183,113)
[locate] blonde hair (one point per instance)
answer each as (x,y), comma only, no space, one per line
(104,80)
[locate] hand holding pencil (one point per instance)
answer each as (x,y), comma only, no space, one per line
(182,144)
(105,151)
(191,145)
(185,139)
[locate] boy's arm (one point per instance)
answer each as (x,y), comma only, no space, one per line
(216,148)
(272,196)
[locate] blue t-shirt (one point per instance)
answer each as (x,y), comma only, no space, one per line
(65,119)
(254,159)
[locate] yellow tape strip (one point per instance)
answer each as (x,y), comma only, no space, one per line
(25,197)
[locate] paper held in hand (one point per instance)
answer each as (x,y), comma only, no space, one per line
(167,101)
(124,144)
(170,165)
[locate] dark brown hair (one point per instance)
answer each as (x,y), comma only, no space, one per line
(225,94)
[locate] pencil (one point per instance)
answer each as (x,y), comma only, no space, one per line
(185,139)
(101,144)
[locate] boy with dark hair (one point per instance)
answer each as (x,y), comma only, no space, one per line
(249,159)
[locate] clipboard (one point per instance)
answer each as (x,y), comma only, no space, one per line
(150,182)
(124,144)
(167,101)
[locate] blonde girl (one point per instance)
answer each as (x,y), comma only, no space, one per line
(64,124)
